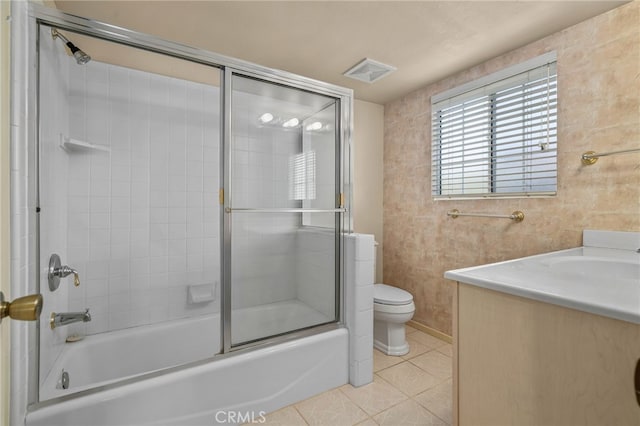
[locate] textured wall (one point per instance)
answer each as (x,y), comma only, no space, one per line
(368,146)
(598,109)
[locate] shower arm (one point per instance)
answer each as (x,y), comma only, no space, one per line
(80,56)
(55,34)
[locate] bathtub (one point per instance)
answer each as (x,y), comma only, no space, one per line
(242,386)
(602,277)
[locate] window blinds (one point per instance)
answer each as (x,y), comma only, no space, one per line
(498,138)
(302,176)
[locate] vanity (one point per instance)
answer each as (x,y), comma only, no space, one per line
(552,339)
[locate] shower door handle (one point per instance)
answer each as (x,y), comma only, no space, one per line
(292,210)
(26,308)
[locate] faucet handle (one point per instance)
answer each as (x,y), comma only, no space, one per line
(57,271)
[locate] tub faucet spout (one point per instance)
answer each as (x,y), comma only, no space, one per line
(67,318)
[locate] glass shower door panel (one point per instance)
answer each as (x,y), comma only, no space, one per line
(283,276)
(283,202)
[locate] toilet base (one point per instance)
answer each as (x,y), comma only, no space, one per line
(389,338)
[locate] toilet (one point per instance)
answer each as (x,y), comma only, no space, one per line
(392,308)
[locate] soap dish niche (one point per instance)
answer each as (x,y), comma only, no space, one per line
(201,293)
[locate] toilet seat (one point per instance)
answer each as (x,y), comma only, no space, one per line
(394,309)
(387,295)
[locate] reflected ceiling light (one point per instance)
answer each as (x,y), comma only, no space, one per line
(316,125)
(266,117)
(291,123)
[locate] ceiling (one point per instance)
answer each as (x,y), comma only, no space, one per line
(425,40)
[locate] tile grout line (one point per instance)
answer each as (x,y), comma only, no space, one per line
(300,414)
(432,413)
(369,416)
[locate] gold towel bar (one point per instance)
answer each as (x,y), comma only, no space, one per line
(590,157)
(516,216)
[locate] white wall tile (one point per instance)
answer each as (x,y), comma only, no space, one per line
(365,247)
(99,204)
(55,172)
(96,221)
(364,272)
(364,297)
(361,372)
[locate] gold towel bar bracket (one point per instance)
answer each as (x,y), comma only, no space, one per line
(590,157)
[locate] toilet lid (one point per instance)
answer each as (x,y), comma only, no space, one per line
(388,295)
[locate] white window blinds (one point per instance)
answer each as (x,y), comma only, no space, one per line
(497,136)
(302,176)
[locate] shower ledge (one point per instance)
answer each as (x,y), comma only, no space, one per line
(75,145)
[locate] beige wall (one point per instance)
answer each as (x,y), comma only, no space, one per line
(367,173)
(5,8)
(599,99)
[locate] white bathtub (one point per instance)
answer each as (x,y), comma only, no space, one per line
(245,384)
(103,358)
(604,279)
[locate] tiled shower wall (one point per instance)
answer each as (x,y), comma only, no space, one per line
(275,256)
(263,244)
(143,221)
(598,101)
(54,166)
(316,242)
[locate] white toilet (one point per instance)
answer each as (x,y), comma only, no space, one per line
(392,308)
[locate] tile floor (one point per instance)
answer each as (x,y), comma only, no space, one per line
(414,389)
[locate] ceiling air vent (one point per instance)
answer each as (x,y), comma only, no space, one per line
(369,70)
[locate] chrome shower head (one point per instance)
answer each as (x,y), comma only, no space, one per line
(81,57)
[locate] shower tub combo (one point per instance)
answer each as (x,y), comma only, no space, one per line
(202,204)
(249,384)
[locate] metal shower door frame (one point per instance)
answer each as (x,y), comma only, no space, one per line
(40,15)
(342,224)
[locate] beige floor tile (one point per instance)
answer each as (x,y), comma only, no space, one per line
(408,413)
(438,400)
(415,348)
(331,408)
(408,329)
(408,378)
(427,339)
(435,363)
(382,361)
(374,397)
(368,422)
(446,349)
(287,416)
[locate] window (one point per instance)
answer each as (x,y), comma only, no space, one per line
(496,136)
(302,176)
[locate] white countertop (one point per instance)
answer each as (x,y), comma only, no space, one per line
(600,280)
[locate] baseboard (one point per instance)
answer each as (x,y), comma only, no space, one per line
(432,331)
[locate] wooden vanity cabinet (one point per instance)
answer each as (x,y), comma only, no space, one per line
(523,362)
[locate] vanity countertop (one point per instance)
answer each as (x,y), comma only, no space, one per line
(602,277)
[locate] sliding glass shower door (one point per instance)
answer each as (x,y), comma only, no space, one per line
(282,210)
